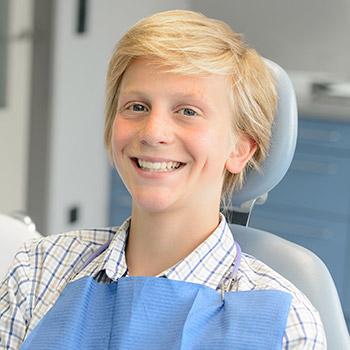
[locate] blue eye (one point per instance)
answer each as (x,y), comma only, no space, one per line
(137,107)
(188,112)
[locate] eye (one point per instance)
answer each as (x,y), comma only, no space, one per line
(137,107)
(188,112)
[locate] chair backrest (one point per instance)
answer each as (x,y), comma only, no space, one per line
(13,232)
(297,264)
(282,148)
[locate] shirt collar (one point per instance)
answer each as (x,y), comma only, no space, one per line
(114,260)
(209,263)
(111,262)
(206,265)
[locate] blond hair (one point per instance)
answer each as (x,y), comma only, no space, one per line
(189,43)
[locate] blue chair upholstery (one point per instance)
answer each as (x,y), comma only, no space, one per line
(297,264)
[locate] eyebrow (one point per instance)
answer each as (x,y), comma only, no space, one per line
(178,94)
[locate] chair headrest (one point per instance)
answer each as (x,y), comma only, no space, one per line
(282,146)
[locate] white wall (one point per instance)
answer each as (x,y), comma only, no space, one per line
(14,116)
(311,35)
(78,167)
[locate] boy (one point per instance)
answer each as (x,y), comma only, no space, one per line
(189,109)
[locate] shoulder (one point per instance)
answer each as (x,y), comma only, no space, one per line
(304,327)
(254,274)
(63,250)
(97,237)
(39,272)
(51,261)
(74,240)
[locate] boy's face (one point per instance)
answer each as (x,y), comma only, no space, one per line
(172,137)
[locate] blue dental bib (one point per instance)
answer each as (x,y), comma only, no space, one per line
(158,313)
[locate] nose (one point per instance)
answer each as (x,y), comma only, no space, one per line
(156,129)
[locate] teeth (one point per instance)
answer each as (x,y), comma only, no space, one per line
(163,166)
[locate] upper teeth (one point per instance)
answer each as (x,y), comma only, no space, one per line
(158,166)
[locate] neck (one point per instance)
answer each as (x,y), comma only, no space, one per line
(157,241)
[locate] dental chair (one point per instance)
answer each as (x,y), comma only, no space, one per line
(299,265)
(15,229)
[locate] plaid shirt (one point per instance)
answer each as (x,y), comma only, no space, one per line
(42,269)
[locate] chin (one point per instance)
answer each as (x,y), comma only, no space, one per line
(154,204)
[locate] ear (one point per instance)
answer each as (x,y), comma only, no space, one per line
(243,150)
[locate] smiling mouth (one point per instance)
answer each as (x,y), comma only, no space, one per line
(157,166)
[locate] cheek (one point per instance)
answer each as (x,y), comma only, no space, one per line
(212,149)
(222,141)
(120,137)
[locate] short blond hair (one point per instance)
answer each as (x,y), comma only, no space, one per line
(189,43)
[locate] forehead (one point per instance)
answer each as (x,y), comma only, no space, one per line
(144,74)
